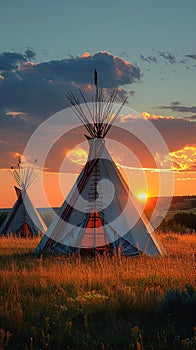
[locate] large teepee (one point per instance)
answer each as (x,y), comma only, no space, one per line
(23,219)
(100,212)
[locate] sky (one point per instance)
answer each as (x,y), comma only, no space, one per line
(144,49)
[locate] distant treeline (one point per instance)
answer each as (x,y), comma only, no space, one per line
(180,223)
(184,202)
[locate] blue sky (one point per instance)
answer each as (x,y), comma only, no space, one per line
(129,29)
(145,49)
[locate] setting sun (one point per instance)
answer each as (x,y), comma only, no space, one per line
(142,196)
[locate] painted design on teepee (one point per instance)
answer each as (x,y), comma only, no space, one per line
(23,219)
(111,219)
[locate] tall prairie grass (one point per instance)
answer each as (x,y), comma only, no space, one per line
(98,303)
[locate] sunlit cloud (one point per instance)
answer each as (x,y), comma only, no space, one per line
(144,115)
(183,159)
(77,155)
(85,55)
(120,59)
(151,170)
(185,179)
(27,65)
(20,156)
(149,116)
(128,117)
(125,71)
(15,114)
(23,162)
(86,88)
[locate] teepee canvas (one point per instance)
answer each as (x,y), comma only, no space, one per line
(100,212)
(23,219)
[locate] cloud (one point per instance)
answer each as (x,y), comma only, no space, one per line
(78,155)
(183,159)
(169,58)
(193,56)
(148,58)
(10,61)
(31,91)
(192,117)
(14,114)
(39,88)
(177,107)
(85,55)
(177,132)
(150,116)
(114,70)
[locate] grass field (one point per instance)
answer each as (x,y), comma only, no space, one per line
(59,303)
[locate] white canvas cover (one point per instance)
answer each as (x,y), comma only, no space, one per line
(22,212)
(123,223)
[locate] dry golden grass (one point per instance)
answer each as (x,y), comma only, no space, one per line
(177,268)
(45,288)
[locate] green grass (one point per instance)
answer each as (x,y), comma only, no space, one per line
(101,303)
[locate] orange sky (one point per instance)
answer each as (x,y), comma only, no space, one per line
(57,187)
(138,165)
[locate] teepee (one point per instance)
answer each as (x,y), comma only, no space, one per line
(23,219)
(100,212)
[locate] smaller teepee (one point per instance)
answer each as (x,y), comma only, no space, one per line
(23,219)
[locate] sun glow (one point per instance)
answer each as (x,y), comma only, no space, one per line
(142,196)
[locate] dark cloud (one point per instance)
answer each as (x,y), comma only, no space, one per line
(193,56)
(10,61)
(177,107)
(114,71)
(192,117)
(175,103)
(39,89)
(183,61)
(186,60)
(148,58)
(30,54)
(31,92)
(176,132)
(170,58)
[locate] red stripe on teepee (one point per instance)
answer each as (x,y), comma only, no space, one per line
(87,171)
